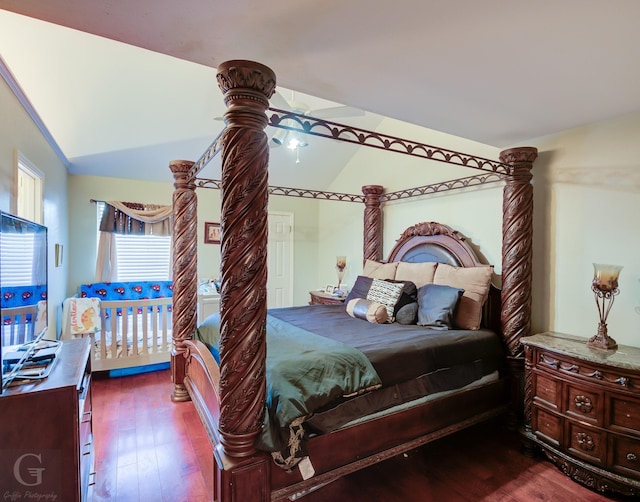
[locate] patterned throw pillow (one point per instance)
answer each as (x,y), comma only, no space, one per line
(387,293)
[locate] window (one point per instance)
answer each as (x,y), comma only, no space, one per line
(30,182)
(19,250)
(140,257)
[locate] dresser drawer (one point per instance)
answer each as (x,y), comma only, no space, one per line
(547,390)
(625,456)
(624,415)
(546,426)
(587,443)
(584,404)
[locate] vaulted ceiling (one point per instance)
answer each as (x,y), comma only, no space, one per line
(125,87)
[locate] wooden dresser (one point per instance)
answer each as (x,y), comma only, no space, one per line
(582,408)
(46,431)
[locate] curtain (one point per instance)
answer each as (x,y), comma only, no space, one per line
(134,218)
(128,218)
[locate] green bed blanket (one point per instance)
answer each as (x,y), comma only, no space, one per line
(304,372)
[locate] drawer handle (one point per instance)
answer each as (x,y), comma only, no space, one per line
(585,441)
(583,403)
(631,457)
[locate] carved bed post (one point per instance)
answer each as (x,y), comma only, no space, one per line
(247,87)
(517,247)
(372,244)
(185,271)
(517,253)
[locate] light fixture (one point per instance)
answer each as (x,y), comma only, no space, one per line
(295,141)
(605,288)
(292,139)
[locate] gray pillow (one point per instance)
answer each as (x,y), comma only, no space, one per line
(407,314)
(437,305)
(406,310)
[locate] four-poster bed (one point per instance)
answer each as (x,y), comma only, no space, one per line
(230,396)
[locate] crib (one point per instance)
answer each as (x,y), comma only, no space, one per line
(18,324)
(132,333)
(133,326)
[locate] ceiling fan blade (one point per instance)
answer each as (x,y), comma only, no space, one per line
(278,101)
(337,112)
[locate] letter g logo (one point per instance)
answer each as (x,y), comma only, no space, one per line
(34,472)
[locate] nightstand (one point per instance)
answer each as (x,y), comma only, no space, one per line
(322,298)
(582,409)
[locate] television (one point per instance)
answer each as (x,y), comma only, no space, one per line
(23,283)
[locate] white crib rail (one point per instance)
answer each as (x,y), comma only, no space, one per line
(15,328)
(140,335)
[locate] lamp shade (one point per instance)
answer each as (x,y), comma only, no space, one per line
(605,277)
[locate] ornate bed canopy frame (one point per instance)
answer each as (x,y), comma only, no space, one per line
(247,87)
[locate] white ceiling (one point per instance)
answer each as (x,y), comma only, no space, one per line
(499,72)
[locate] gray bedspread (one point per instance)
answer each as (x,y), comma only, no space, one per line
(398,352)
(317,355)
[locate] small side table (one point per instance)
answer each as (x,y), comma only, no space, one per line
(322,298)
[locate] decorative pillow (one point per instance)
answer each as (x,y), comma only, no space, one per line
(419,273)
(437,305)
(408,314)
(406,309)
(360,288)
(387,293)
(476,282)
(377,270)
(366,309)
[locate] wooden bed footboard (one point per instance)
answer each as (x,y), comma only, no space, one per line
(238,479)
(333,455)
(202,381)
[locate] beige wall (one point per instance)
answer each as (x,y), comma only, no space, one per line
(18,132)
(586,207)
(476,213)
(82,217)
(83,244)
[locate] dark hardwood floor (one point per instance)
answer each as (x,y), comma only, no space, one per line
(151,449)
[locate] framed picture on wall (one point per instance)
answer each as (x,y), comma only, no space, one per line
(211,233)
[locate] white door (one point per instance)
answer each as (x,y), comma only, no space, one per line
(280,260)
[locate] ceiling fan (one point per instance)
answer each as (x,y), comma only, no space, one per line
(293,139)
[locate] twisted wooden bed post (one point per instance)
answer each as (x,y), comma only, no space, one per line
(185,271)
(517,257)
(247,87)
(517,247)
(372,244)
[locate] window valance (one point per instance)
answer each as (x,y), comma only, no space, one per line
(135,218)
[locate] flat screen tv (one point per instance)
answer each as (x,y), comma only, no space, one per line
(23,281)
